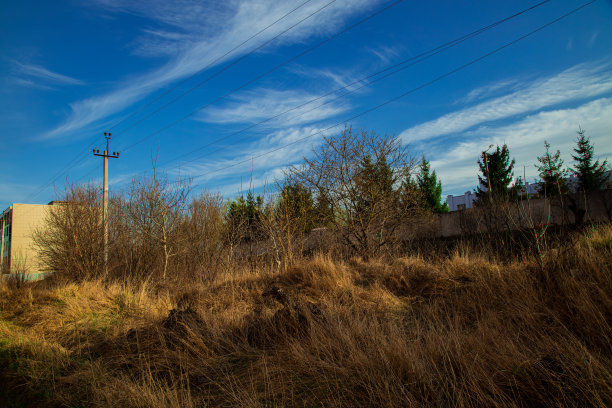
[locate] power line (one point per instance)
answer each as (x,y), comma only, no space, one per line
(65,170)
(217,60)
(82,153)
(402,65)
(391,100)
(255,79)
(222,70)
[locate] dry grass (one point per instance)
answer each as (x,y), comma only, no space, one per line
(461,331)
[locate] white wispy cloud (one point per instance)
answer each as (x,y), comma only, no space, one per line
(582,81)
(38,76)
(91,111)
(385,53)
(593,38)
(261,104)
(456,164)
(200,33)
(333,78)
(490,90)
(263,158)
(159,43)
(28,83)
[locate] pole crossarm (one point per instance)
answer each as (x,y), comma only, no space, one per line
(115,155)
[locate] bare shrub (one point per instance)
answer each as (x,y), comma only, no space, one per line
(202,232)
(156,210)
(71,243)
(131,256)
(286,221)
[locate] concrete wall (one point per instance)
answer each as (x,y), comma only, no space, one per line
(595,207)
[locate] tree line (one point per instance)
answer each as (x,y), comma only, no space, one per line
(497,180)
(363,191)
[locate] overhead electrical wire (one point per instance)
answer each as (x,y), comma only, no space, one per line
(260,76)
(402,65)
(400,96)
(403,94)
(78,158)
(71,164)
(216,60)
(240,59)
(379,11)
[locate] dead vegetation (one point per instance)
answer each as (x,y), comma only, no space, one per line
(456,331)
(335,293)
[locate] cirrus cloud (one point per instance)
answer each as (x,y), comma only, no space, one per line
(582,81)
(201,34)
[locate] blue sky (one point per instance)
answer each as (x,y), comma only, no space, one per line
(71,70)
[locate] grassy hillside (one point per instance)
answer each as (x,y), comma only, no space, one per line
(458,331)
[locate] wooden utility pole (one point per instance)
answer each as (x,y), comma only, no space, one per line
(106,155)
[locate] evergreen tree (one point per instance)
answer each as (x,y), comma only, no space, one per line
(430,188)
(324,209)
(496,169)
(552,173)
(297,204)
(590,176)
(518,189)
(244,216)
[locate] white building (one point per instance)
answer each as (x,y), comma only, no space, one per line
(461,202)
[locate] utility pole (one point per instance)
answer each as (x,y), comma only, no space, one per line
(106,155)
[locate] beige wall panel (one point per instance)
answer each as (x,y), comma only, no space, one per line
(26,219)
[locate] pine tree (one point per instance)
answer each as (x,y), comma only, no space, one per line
(591,176)
(496,169)
(552,173)
(431,188)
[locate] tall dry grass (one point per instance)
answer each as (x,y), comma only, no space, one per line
(461,330)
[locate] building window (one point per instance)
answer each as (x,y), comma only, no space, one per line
(6,239)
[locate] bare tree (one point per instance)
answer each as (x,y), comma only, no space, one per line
(286,219)
(131,254)
(156,208)
(356,179)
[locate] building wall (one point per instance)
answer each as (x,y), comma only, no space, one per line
(465,201)
(597,207)
(25,219)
